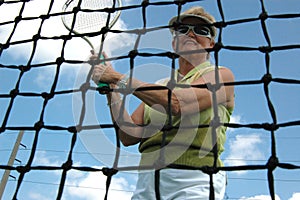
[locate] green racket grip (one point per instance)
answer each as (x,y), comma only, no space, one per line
(104,87)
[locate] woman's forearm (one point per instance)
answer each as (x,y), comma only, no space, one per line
(129,132)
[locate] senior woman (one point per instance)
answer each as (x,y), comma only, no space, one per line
(181,148)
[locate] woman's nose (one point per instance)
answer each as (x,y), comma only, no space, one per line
(191,33)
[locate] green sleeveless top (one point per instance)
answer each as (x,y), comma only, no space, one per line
(183,146)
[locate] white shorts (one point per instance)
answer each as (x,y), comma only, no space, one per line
(178,184)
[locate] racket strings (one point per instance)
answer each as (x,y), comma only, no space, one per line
(89,21)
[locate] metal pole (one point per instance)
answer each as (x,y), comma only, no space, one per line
(10,163)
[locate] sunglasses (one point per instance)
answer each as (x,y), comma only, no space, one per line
(198,30)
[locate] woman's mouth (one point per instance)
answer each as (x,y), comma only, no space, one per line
(190,42)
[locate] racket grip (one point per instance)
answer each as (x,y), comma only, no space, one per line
(104,88)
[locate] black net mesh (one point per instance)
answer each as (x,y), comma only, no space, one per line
(44,133)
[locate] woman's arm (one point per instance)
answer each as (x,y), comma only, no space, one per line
(191,100)
(183,101)
(129,131)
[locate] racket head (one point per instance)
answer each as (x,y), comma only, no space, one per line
(89,17)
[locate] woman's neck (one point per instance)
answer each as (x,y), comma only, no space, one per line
(186,66)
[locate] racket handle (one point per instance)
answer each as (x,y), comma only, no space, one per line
(104,88)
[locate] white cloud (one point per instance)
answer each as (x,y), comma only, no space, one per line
(50,50)
(83,185)
(41,158)
(244,149)
(236,119)
(26,29)
(37,196)
(296,196)
(260,197)
(92,186)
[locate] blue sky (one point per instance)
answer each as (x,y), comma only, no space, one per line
(96,148)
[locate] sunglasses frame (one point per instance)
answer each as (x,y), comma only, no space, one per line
(192,27)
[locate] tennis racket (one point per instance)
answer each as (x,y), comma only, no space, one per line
(87,22)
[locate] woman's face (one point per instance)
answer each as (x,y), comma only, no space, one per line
(191,41)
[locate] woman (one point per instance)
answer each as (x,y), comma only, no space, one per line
(176,150)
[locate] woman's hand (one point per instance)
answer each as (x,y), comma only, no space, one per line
(104,72)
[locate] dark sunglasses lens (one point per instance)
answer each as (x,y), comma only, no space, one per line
(183,29)
(200,30)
